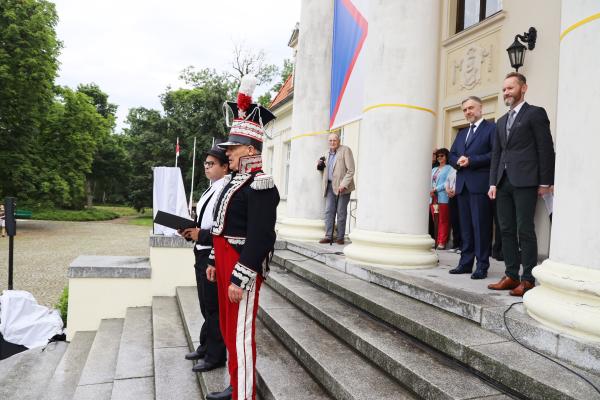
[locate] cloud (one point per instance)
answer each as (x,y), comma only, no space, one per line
(134,49)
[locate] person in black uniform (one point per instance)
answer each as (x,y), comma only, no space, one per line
(211,351)
(244,239)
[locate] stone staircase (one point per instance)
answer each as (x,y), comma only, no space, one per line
(321,334)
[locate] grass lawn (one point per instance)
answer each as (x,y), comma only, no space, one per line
(88,214)
(142,220)
(97,213)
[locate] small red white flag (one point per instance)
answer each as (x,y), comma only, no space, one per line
(177,148)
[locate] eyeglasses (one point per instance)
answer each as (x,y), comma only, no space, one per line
(208,164)
(440,156)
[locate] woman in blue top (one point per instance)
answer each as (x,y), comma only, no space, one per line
(438,199)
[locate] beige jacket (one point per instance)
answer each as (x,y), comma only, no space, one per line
(343,170)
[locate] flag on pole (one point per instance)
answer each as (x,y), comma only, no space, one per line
(177,151)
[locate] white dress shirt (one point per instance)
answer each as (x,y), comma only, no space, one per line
(209,194)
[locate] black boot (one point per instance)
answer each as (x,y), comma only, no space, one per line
(224,395)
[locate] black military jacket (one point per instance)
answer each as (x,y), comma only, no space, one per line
(245,214)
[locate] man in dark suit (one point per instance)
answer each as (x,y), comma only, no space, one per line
(522,167)
(471,154)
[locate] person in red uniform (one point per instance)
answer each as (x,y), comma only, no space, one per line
(243,240)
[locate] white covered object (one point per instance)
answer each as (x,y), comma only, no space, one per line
(23,321)
(169,196)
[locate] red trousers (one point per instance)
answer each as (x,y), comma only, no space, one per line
(237,321)
(443,221)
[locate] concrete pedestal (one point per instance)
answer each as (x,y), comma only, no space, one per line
(310,123)
(568,298)
(397,136)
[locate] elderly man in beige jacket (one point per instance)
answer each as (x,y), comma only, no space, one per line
(337,168)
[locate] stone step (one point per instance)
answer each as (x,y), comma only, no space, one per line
(491,355)
(173,375)
(424,372)
(464,297)
(26,375)
(96,381)
(68,372)
(276,367)
(134,375)
(339,369)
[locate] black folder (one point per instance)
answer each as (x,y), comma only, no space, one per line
(173,221)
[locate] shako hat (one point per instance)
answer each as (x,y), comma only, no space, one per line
(249,119)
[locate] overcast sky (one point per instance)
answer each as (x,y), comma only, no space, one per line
(134,49)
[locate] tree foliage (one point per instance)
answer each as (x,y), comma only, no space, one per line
(28,65)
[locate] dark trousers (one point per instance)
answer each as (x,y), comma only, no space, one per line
(497,247)
(455,223)
(476,227)
(516,212)
(211,340)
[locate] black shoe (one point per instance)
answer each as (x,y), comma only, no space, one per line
(203,366)
(479,275)
(461,270)
(195,355)
(224,395)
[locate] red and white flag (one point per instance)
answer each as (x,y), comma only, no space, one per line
(177,151)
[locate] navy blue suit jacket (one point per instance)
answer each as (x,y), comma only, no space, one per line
(479,151)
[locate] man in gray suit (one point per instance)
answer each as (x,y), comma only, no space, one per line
(522,167)
(337,167)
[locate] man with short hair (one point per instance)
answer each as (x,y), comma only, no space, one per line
(471,154)
(522,168)
(337,183)
(211,351)
(244,239)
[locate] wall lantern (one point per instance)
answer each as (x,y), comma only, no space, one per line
(516,51)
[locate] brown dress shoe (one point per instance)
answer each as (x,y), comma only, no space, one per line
(340,241)
(504,284)
(522,288)
(325,240)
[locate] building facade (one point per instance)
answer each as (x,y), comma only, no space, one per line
(421,60)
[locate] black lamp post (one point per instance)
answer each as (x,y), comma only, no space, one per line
(516,51)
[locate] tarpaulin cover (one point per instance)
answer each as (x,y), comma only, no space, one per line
(24,322)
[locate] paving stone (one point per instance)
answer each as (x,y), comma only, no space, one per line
(449,333)
(174,378)
(102,358)
(166,323)
(424,372)
(343,373)
(187,299)
(279,375)
(28,375)
(68,372)
(135,358)
(136,388)
(99,391)
(86,266)
(528,373)
(522,326)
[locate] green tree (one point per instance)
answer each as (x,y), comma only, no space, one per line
(70,138)
(286,71)
(28,65)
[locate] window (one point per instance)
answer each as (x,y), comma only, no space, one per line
(288,152)
(471,12)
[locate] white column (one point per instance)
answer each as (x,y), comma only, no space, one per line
(568,298)
(310,122)
(396,136)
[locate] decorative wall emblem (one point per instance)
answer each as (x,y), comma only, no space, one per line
(468,70)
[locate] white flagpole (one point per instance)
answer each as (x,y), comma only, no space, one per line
(193,169)
(176,151)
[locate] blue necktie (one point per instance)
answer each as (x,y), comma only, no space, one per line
(471,130)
